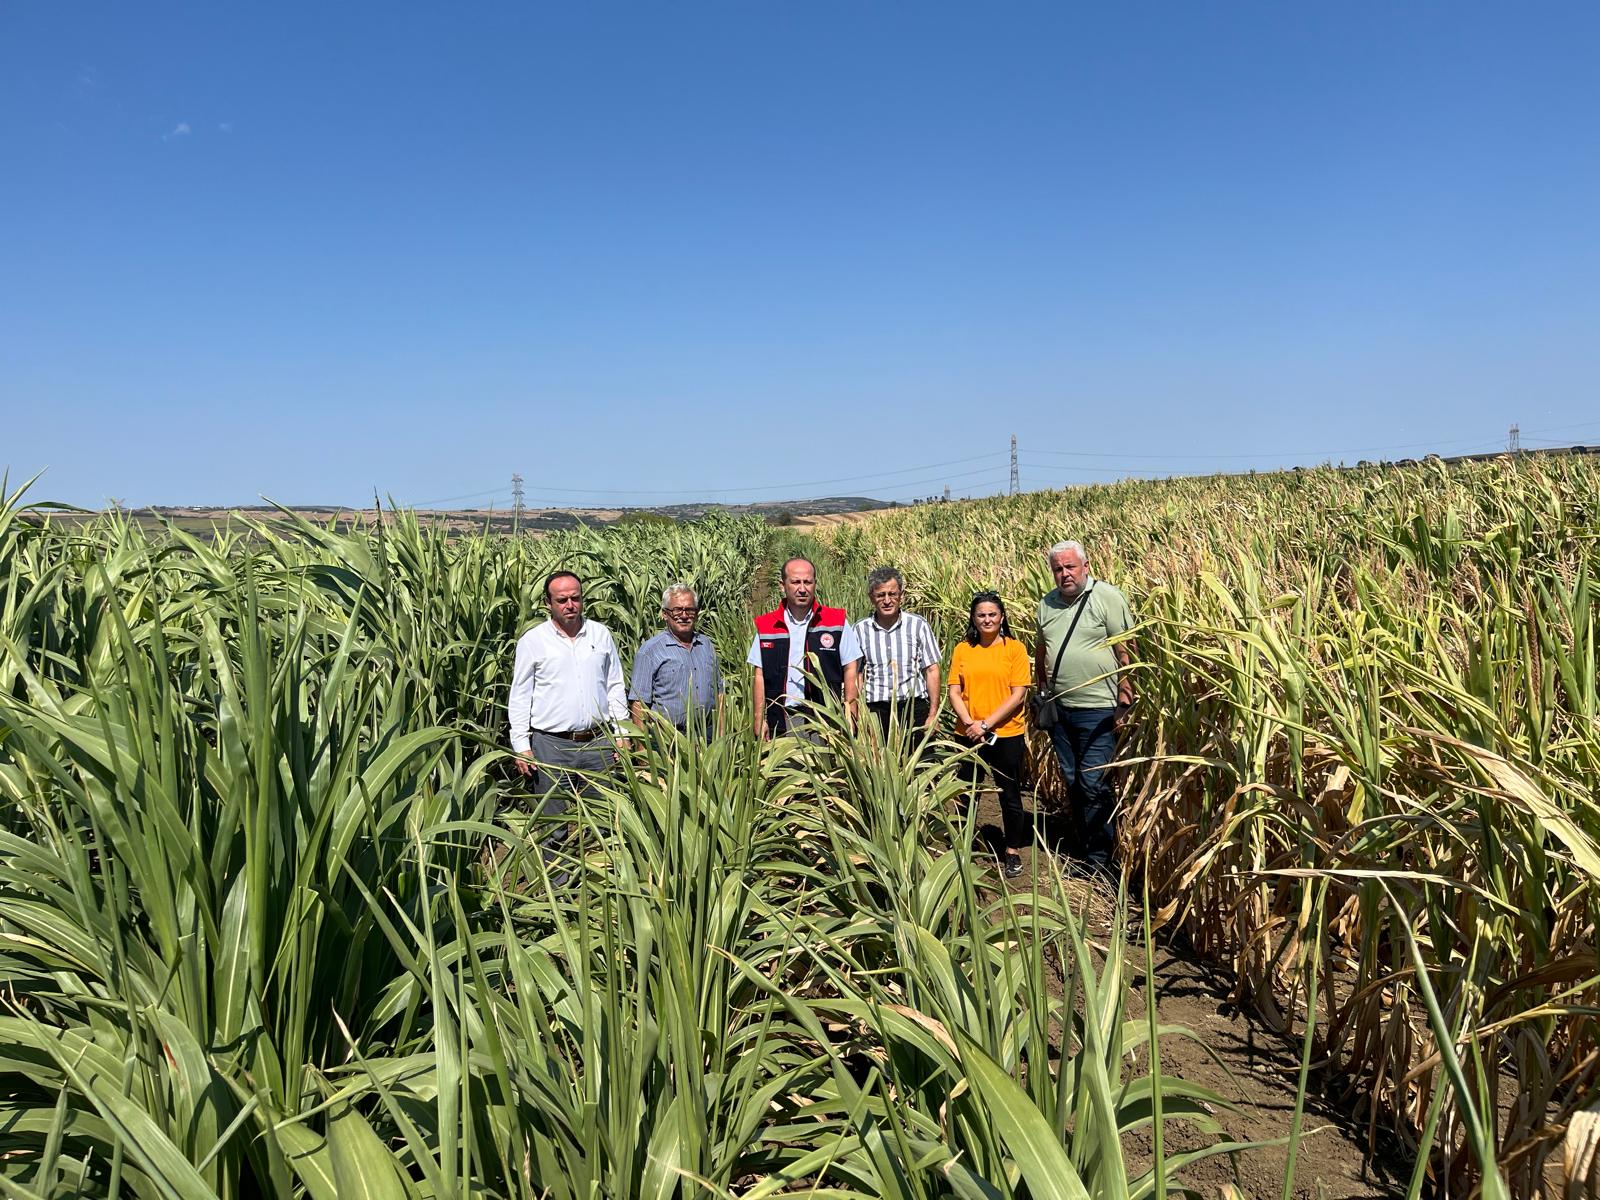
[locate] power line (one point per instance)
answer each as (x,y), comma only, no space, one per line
(540,489)
(1120,454)
(934,479)
(1560,428)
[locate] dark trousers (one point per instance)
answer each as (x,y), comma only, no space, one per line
(1085,740)
(912,714)
(1006,760)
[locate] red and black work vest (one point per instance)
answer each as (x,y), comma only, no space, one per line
(823,636)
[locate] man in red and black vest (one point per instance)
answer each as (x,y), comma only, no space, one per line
(801,634)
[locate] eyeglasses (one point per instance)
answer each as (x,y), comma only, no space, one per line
(681,612)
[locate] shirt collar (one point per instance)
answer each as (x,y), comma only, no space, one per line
(810,616)
(898,621)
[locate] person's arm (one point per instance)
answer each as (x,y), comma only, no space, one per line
(640,692)
(1009,707)
(1041,651)
(930,673)
(958,705)
(616,695)
(758,700)
(966,724)
(1120,622)
(930,676)
(1124,653)
(758,689)
(850,655)
(520,703)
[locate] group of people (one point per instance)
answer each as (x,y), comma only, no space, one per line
(568,699)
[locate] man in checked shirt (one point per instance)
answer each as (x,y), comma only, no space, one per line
(899,658)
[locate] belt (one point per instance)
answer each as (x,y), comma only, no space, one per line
(576,735)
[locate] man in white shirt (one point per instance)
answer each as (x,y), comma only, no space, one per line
(566,692)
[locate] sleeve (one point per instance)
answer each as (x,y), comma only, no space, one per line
(520,703)
(958,662)
(616,694)
(1020,668)
(643,668)
(849,645)
(929,648)
(754,657)
(1118,618)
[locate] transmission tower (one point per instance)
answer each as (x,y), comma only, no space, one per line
(1015,486)
(1514,440)
(947,493)
(516,497)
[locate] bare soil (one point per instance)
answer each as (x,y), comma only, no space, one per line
(1248,1064)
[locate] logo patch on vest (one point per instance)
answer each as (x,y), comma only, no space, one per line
(766,645)
(826,640)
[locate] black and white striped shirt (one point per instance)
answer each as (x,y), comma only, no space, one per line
(893,659)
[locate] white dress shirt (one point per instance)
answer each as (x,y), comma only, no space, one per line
(565,684)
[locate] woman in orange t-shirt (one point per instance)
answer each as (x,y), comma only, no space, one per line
(989,678)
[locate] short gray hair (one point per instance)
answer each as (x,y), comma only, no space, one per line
(676,589)
(879,576)
(1063,547)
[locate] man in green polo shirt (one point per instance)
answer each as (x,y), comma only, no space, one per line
(1079,662)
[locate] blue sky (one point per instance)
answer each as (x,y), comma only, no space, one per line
(656,252)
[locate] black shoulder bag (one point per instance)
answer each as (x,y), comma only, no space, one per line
(1044,707)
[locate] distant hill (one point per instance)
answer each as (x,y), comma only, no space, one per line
(199,518)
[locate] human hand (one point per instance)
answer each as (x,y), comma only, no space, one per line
(1123,717)
(974,731)
(525,762)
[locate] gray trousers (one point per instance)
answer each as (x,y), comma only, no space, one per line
(803,725)
(563,771)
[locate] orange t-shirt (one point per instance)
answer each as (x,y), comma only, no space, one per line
(986,675)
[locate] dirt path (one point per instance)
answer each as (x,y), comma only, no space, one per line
(1244,1061)
(1258,1072)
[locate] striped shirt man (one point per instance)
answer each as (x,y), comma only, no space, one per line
(895,660)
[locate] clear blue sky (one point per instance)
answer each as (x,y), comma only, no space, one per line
(669,251)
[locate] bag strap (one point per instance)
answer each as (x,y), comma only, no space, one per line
(1067,641)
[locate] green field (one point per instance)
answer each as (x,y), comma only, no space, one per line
(250,943)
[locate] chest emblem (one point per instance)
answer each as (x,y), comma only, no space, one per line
(826,641)
(766,645)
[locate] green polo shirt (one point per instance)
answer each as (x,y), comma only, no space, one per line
(1088,658)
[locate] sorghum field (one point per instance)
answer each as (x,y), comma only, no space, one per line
(1365,766)
(270,924)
